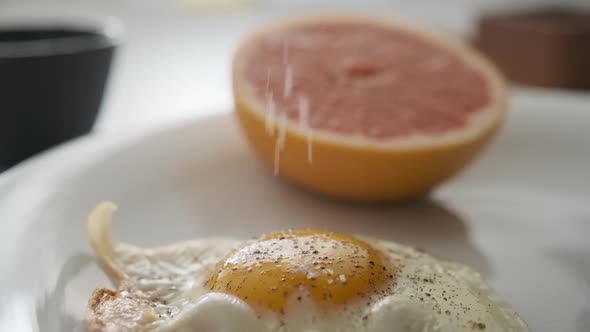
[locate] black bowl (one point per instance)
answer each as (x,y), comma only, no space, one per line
(52,80)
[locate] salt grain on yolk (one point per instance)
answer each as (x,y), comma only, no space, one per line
(333,269)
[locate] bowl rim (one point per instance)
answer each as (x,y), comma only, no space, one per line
(102,32)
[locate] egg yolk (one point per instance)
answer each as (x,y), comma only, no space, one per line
(333,269)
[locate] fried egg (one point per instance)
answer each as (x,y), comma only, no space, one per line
(295,280)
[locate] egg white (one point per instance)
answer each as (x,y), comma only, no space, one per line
(162,289)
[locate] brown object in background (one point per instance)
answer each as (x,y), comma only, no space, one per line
(544,47)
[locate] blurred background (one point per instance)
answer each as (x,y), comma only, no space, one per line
(173,62)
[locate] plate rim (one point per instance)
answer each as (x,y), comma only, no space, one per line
(92,141)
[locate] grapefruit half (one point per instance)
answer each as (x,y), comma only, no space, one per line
(363,108)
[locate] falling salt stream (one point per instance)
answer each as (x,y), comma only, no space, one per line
(280,142)
(288,85)
(269,108)
(303,109)
(304,124)
(269,120)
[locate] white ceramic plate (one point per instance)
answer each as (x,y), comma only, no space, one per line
(520,215)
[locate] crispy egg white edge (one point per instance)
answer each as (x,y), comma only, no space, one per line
(196,308)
